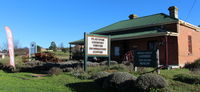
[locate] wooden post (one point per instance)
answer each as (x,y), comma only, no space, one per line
(109,49)
(158,61)
(85,52)
(70,52)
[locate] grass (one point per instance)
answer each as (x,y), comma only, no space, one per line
(61,55)
(6,60)
(176,86)
(23,82)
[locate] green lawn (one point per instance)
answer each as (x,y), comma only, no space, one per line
(23,82)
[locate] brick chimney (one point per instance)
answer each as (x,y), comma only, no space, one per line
(173,11)
(132,16)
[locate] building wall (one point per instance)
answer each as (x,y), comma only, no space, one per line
(142,44)
(184,55)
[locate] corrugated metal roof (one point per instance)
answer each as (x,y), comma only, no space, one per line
(137,22)
(78,42)
(144,34)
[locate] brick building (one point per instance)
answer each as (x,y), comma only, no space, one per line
(178,41)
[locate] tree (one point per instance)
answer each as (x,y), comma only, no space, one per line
(17,44)
(39,48)
(53,46)
(61,45)
(65,50)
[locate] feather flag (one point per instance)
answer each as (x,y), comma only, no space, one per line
(10,46)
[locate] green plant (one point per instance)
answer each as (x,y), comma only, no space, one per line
(188,78)
(55,71)
(120,67)
(194,65)
(121,81)
(147,81)
(100,77)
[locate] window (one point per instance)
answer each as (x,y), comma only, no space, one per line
(190,44)
(117,51)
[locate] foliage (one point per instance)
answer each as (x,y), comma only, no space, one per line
(111,63)
(46,57)
(77,55)
(100,77)
(194,65)
(121,81)
(39,48)
(188,78)
(65,50)
(55,71)
(149,80)
(81,75)
(53,46)
(120,67)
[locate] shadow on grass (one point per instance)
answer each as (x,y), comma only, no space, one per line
(87,87)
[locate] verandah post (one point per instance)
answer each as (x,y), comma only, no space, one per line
(85,52)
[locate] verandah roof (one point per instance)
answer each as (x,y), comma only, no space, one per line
(137,35)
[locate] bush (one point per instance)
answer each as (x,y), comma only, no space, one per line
(106,63)
(79,73)
(188,78)
(100,77)
(55,71)
(121,81)
(120,67)
(148,81)
(194,65)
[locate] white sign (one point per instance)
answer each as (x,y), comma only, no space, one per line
(97,45)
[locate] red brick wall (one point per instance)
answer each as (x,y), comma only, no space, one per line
(184,55)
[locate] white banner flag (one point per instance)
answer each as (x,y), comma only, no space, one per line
(10,46)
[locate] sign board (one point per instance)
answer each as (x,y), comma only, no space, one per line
(145,58)
(97,45)
(33,48)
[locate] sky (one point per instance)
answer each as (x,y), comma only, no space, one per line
(63,21)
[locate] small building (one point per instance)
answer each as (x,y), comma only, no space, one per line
(178,41)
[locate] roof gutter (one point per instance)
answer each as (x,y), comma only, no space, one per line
(147,36)
(181,22)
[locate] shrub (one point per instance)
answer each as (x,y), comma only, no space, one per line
(121,81)
(194,65)
(188,78)
(106,63)
(55,71)
(100,77)
(120,67)
(68,69)
(79,73)
(148,81)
